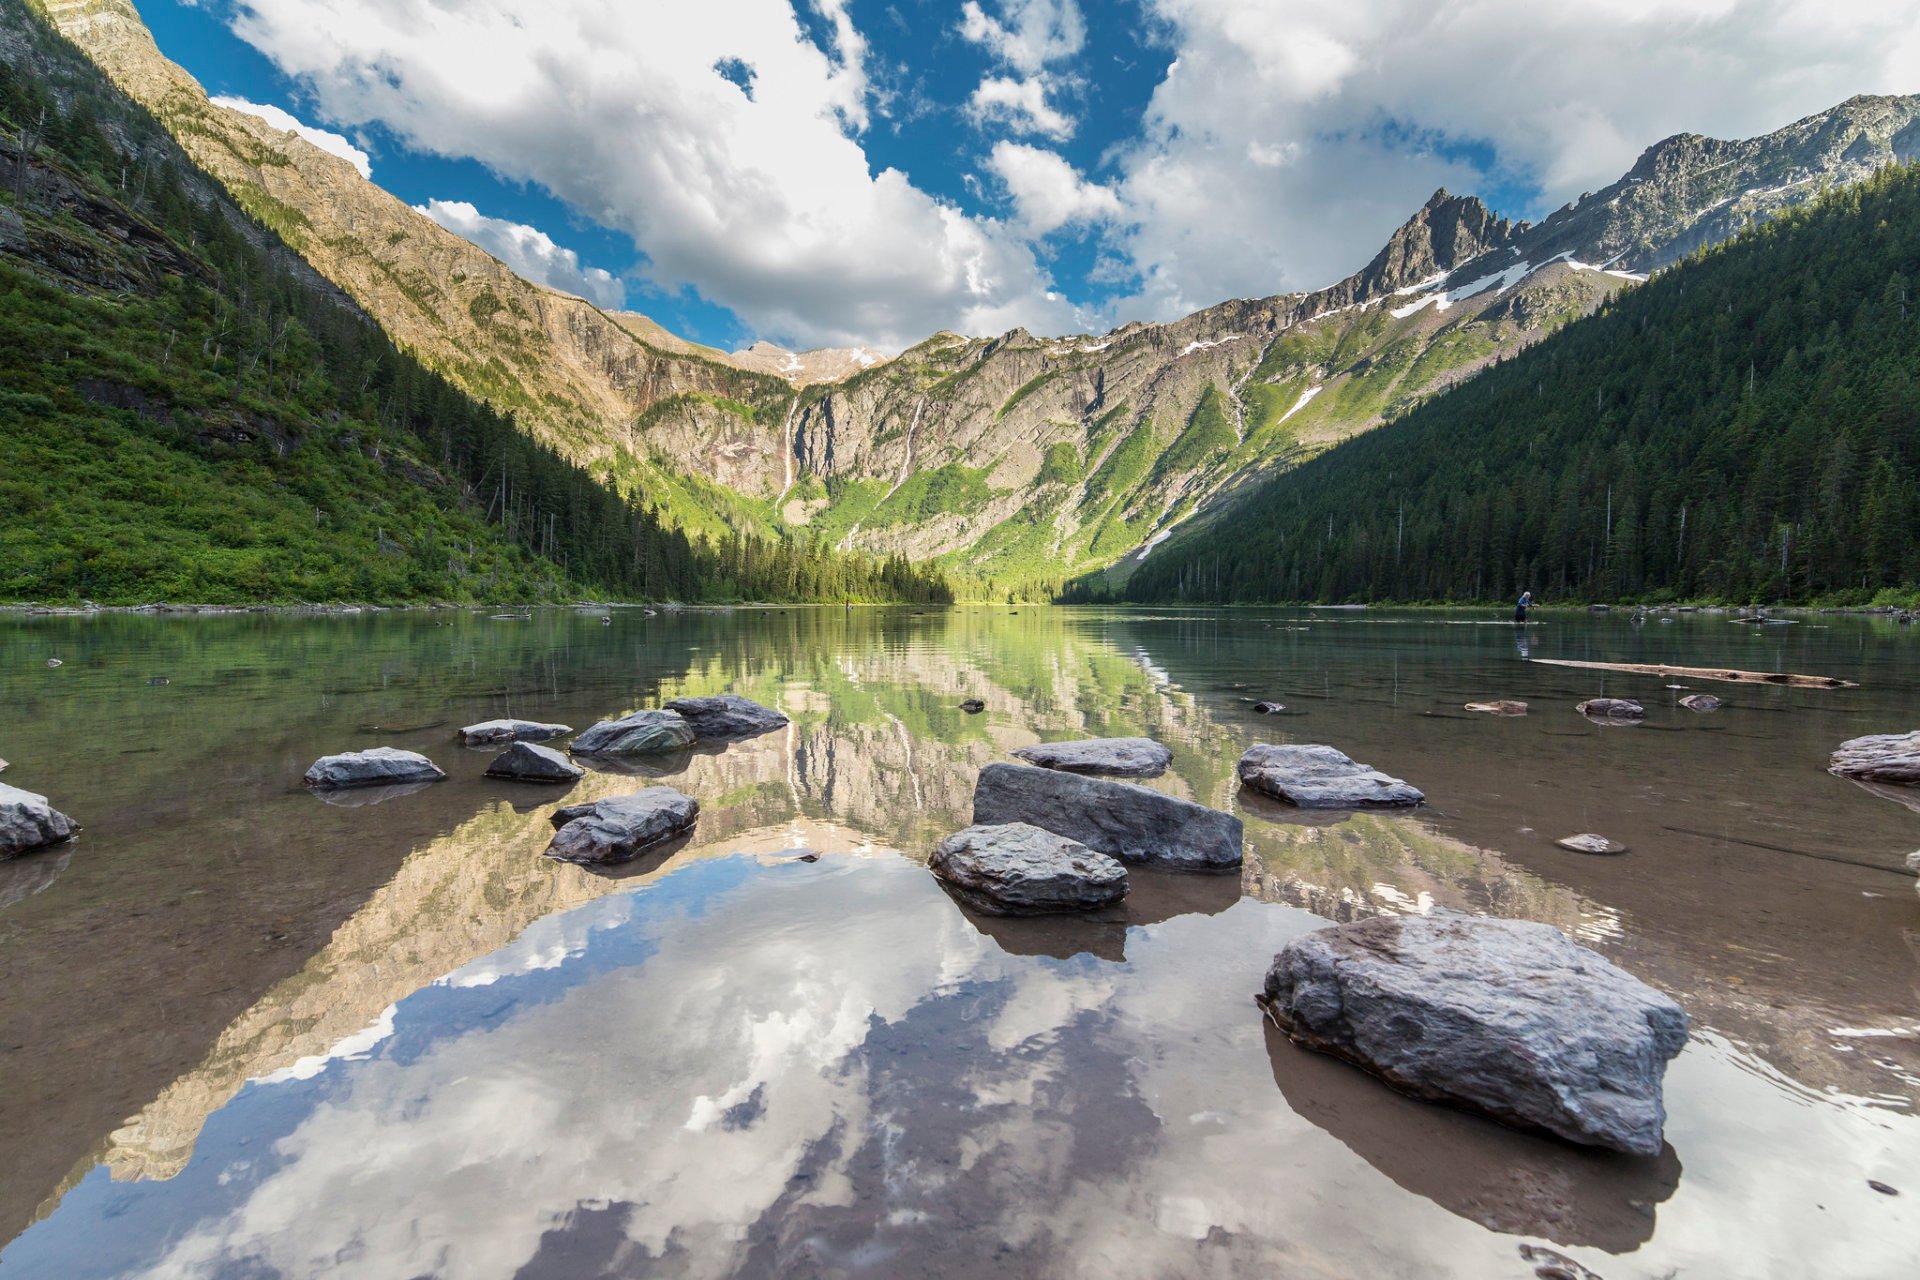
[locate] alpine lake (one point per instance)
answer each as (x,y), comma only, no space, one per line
(248,1032)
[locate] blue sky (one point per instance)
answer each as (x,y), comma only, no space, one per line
(867,171)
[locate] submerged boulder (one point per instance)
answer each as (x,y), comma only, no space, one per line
(531,762)
(1506,1017)
(1017,869)
(973,706)
(1611,709)
(1879,757)
(727,715)
(29,822)
(639,734)
(489,732)
(1502,707)
(1269,708)
(1314,776)
(1125,757)
(1701,702)
(1588,842)
(618,828)
(378,767)
(1119,819)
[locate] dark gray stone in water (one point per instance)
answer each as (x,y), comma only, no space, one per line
(1268,708)
(727,715)
(1611,709)
(1017,869)
(530,762)
(1125,757)
(29,822)
(378,767)
(1134,824)
(1314,776)
(1701,702)
(1507,1017)
(1879,757)
(642,733)
(617,829)
(973,706)
(489,732)
(1587,842)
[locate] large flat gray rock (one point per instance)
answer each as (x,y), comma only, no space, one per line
(1506,1017)
(727,715)
(489,732)
(1616,710)
(378,767)
(1017,869)
(642,733)
(531,762)
(618,828)
(1134,824)
(1313,776)
(1121,757)
(1880,757)
(28,822)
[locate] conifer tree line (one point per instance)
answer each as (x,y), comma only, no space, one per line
(234,320)
(1745,427)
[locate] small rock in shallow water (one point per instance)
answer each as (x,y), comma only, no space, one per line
(531,762)
(54,662)
(1587,842)
(1124,757)
(1616,709)
(1882,1187)
(1879,757)
(617,829)
(1268,708)
(1503,707)
(1315,776)
(727,716)
(490,732)
(28,822)
(378,767)
(973,706)
(159,680)
(1701,702)
(1119,819)
(1017,869)
(1506,1017)
(642,733)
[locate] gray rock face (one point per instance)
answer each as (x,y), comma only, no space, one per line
(1123,757)
(488,732)
(1701,702)
(1611,709)
(530,762)
(1879,757)
(617,829)
(1313,776)
(1016,869)
(379,767)
(1502,707)
(727,716)
(28,822)
(639,734)
(1507,1017)
(1121,820)
(1588,842)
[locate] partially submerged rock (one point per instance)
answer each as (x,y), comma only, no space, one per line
(618,828)
(727,715)
(1268,708)
(1017,869)
(1501,707)
(1616,709)
(531,762)
(1879,757)
(489,732)
(1701,702)
(1314,776)
(973,706)
(378,767)
(1588,842)
(1506,1017)
(1124,757)
(639,734)
(1132,823)
(28,822)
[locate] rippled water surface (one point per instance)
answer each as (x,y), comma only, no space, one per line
(246,1033)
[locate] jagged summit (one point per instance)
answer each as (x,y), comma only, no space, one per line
(807,368)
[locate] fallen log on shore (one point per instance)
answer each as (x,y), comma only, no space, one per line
(1706,673)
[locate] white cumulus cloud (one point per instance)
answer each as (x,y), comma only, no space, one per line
(1019,104)
(1047,192)
(1027,38)
(529,252)
(331,143)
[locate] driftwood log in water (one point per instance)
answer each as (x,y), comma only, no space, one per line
(1706,673)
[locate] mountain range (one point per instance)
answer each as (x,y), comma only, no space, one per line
(1018,458)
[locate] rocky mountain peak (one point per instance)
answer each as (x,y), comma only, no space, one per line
(1447,231)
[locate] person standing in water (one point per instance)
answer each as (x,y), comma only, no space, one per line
(1520,609)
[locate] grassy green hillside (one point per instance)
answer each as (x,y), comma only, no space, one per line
(1746,427)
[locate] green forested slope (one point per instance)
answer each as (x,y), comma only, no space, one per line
(187,411)
(1745,427)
